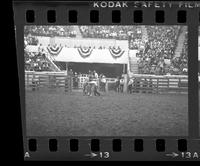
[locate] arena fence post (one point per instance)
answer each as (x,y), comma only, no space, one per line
(106,86)
(168,84)
(157,85)
(70,83)
(33,83)
(179,87)
(66,84)
(125,83)
(52,82)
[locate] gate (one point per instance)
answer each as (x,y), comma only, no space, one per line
(82,79)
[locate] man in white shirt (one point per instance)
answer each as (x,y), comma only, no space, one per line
(95,74)
(121,84)
(103,83)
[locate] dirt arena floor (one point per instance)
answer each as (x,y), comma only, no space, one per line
(112,114)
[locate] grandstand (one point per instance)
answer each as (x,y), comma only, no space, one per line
(161,50)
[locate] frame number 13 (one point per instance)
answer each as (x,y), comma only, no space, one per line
(104,155)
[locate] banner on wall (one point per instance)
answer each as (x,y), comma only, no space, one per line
(85,51)
(54,50)
(116,52)
(88,54)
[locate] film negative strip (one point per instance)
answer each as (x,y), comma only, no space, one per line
(109,80)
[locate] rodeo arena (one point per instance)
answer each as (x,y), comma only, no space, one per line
(106,80)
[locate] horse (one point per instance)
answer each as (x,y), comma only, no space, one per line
(90,88)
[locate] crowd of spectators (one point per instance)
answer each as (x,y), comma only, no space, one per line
(35,61)
(100,47)
(131,33)
(181,63)
(86,47)
(62,31)
(158,55)
(30,40)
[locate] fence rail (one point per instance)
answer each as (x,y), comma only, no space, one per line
(141,83)
(158,84)
(50,80)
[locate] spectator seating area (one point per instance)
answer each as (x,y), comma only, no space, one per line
(159,47)
(131,33)
(181,63)
(62,31)
(36,62)
(109,32)
(30,40)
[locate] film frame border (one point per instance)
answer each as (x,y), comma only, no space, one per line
(106,19)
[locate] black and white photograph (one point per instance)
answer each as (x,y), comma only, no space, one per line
(199,75)
(106,80)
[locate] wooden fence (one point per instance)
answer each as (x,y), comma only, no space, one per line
(159,84)
(48,80)
(141,83)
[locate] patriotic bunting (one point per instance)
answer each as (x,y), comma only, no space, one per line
(54,50)
(116,52)
(85,51)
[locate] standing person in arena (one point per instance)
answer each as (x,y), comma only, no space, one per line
(96,93)
(90,75)
(99,82)
(103,83)
(70,72)
(71,75)
(130,84)
(121,84)
(75,81)
(95,74)
(85,87)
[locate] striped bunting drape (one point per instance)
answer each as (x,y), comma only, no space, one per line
(85,51)
(116,52)
(54,50)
